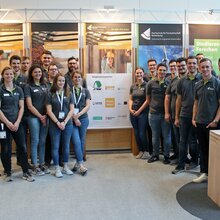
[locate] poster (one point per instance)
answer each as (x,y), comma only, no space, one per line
(11,42)
(161,42)
(59,38)
(109,104)
(109,73)
(205,39)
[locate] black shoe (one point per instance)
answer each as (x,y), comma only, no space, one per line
(153,159)
(178,170)
(174,157)
(192,166)
(166,160)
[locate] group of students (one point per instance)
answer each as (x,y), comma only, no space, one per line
(177,111)
(52,107)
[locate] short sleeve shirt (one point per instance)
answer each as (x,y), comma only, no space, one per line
(171,91)
(138,94)
(9,102)
(38,95)
(156,91)
(80,100)
(186,88)
(56,105)
(208,96)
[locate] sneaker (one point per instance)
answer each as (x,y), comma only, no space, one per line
(58,173)
(174,157)
(139,156)
(145,155)
(37,171)
(192,166)
(153,159)
(178,170)
(45,169)
(202,178)
(28,176)
(67,171)
(8,178)
(82,170)
(166,160)
(76,167)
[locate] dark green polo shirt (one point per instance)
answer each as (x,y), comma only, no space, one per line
(52,100)
(21,81)
(9,102)
(186,88)
(208,96)
(138,94)
(38,95)
(80,103)
(156,91)
(172,92)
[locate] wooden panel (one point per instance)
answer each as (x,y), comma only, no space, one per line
(108,139)
(214,163)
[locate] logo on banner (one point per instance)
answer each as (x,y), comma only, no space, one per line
(97,118)
(97,85)
(109,102)
(146,34)
(109,87)
(97,103)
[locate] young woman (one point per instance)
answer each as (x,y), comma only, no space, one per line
(139,112)
(82,99)
(11,112)
(36,96)
(60,108)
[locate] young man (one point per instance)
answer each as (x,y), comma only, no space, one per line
(169,104)
(46,60)
(206,113)
(72,66)
(183,118)
(155,96)
(25,65)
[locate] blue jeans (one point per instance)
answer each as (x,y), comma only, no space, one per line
(139,124)
(158,125)
(187,137)
(38,133)
(79,137)
(58,137)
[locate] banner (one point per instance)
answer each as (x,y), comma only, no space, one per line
(59,38)
(205,39)
(109,104)
(161,42)
(11,42)
(109,73)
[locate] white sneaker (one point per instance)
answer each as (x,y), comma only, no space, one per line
(139,156)
(58,173)
(202,178)
(67,171)
(82,170)
(145,155)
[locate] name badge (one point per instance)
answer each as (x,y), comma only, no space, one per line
(76,111)
(61,115)
(2,134)
(36,90)
(6,94)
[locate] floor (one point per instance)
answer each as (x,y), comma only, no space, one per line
(117,187)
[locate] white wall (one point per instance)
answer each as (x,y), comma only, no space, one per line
(118,4)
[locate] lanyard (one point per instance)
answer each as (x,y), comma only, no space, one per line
(60,99)
(74,96)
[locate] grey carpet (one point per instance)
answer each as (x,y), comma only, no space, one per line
(193,198)
(117,187)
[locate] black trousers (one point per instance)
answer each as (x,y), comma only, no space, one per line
(19,138)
